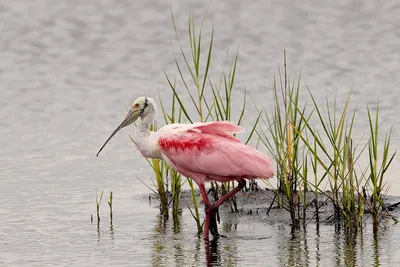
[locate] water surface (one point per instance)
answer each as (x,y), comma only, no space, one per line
(68,69)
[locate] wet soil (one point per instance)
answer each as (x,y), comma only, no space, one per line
(263,205)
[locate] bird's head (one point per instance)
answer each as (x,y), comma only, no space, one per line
(140,108)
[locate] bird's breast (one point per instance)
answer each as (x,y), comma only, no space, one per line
(149,148)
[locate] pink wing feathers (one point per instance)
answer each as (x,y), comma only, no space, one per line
(209,149)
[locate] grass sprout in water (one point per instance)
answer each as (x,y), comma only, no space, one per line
(98,202)
(110,202)
(377,167)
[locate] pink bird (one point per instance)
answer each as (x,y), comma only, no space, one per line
(201,151)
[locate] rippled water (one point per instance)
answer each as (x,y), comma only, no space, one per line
(68,69)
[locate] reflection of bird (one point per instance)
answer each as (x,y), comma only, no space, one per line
(201,151)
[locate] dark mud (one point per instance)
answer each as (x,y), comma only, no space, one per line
(263,205)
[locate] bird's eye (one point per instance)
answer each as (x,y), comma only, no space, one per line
(137,105)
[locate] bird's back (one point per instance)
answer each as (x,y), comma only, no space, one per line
(210,149)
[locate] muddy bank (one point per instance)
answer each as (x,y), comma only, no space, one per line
(262,205)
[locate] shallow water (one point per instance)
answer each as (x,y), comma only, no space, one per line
(68,69)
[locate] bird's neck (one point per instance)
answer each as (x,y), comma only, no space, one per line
(142,133)
(144,126)
(146,121)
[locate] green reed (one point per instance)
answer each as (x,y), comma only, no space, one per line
(283,142)
(332,150)
(159,168)
(378,165)
(195,202)
(98,202)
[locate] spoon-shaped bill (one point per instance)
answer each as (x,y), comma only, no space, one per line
(130,118)
(109,138)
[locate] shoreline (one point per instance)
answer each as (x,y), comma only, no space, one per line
(258,202)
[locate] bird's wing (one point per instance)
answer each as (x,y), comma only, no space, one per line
(210,148)
(221,128)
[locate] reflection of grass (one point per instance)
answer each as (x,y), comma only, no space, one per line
(378,166)
(163,245)
(161,190)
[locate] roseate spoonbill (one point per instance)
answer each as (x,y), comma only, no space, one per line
(201,151)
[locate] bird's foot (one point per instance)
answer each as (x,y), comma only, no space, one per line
(213,222)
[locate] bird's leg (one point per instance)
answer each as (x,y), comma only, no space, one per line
(210,223)
(207,205)
(214,217)
(216,204)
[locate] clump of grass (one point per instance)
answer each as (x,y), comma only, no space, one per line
(377,166)
(328,154)
(284,143)
(300,150)
(176,190)
(159,170)
(160,186)
(339,170)
(335,158)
